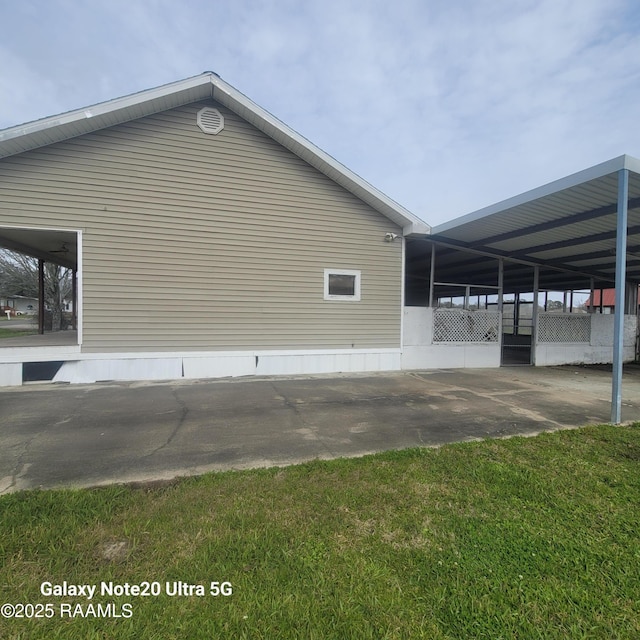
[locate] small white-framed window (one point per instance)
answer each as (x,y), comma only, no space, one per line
(342,284)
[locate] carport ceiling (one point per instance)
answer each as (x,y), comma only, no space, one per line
(567,228)
(59,247)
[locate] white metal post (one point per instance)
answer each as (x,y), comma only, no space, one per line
(403,280)
(432,274)
(534,313)
(500,303)
(621,267)
(500,284)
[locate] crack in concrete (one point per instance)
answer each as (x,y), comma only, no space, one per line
(303,423)
(184,410)
(495,396)
(20,468)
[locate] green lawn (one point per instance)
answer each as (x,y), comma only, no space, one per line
(13,333)
(521,538)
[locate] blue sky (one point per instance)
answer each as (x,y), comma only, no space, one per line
(445,105)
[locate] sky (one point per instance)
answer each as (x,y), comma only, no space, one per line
(446,106)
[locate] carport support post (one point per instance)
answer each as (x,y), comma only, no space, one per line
(618,322)
(74,299)
(601,301)
(534,313)
(500,287)
(432,273)
(500,303)
(40,297)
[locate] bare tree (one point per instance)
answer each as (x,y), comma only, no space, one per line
(19,276)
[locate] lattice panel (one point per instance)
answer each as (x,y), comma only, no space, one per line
(460,325)
(556,327)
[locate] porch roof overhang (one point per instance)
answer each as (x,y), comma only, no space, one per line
(567,228)
(56,246)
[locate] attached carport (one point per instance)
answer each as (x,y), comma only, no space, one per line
(580,232)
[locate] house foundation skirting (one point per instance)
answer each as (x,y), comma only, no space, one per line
(102,367)
(592,344)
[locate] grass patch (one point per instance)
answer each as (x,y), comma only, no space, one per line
(15,333)
(519,538)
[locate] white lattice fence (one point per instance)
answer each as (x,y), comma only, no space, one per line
(460,325)
(555,327)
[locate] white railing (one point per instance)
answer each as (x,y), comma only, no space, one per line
(564,327)
(462,325)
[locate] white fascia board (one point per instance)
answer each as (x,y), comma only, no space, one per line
(573,180)
(631,163)
(124,103)
(40,133)
(298,144)
(419,228)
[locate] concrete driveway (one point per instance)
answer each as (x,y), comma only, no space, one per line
(86,435)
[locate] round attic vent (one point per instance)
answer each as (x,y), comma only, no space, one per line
(210,120)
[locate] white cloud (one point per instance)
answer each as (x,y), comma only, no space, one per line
(23,89)
(446,106)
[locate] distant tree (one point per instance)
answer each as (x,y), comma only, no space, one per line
(555,305)
(19,277)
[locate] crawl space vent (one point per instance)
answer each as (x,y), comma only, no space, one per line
(210,120)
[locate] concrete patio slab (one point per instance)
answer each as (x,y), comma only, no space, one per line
(86,435)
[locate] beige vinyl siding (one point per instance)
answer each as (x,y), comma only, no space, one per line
(197,242)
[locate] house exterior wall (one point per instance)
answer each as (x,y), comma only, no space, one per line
(207,242)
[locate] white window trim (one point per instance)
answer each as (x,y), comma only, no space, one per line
(343,272)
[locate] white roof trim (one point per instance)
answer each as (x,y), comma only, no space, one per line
(94,111)
(46,131)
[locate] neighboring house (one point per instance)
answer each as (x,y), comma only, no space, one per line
(19,305)
(211,239)
(604,299)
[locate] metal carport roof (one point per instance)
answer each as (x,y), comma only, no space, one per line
(582,228)
(567,228)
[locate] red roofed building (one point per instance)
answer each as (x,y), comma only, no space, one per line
(608,297)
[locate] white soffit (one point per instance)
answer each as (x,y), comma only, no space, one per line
(207,85)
